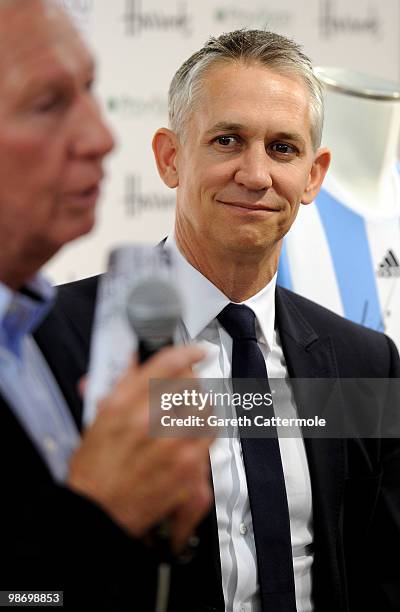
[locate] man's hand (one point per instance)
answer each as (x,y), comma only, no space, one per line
(140,480)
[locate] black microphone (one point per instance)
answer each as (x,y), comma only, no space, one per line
(154,310)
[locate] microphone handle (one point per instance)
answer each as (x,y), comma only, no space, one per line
(160,535)
(147,348)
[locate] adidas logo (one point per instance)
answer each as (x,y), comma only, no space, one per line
(389,267)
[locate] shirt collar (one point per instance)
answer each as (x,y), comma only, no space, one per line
(203,301)
(21,312)
(263,305)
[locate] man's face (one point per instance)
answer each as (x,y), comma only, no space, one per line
(246,162)
(52,139)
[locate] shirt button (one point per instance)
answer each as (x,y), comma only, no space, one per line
(243,531)
(50,444)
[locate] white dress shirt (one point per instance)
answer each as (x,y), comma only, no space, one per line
(202,303)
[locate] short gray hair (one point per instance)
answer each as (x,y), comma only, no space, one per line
(244,46)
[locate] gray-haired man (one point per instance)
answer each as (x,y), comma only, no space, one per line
(307,524)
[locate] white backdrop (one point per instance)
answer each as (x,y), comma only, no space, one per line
(139,44)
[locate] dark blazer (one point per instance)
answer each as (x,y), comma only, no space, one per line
(51,538)
(355,483)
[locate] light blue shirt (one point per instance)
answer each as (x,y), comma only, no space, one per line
(26,381)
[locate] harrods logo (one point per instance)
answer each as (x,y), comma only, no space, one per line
(256,16)
(126,106)
(137,201)
(138,21)
(334,22)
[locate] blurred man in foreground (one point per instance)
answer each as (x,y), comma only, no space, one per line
(306,524)
(73,511)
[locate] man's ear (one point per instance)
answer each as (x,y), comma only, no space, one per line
(165,147)
(317,174)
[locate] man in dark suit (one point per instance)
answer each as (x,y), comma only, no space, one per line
(73,511)
(311,524)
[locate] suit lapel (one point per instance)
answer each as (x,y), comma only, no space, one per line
(65,361)
(311,356)
(17,448)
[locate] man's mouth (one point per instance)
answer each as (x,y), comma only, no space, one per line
(88,194)
(87,198)
(251,206)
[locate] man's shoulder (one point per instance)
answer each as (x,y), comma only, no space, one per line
(76,302)
(82,291)
(321,318)
(349,338)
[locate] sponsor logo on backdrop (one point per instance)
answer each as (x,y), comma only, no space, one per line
(389,267)
(126,106)
(168,19)
(80,10)
(334,21)
(256,16)
(137,201)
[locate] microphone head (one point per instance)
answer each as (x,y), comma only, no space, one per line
(154,309)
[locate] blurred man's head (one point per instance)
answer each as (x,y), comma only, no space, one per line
(246,115)
(52,138)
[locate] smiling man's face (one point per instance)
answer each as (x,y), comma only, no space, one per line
(246,162)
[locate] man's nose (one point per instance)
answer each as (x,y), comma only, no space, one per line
(92,137)
(255,168)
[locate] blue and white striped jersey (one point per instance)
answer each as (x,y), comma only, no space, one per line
(347,259)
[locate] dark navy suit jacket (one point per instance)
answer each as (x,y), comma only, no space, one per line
(52,538)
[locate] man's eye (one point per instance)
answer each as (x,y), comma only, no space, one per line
(283,148)
(47,104)
(225,141)
(89,85)
(52,100)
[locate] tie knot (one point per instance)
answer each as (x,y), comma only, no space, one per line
(239,321)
